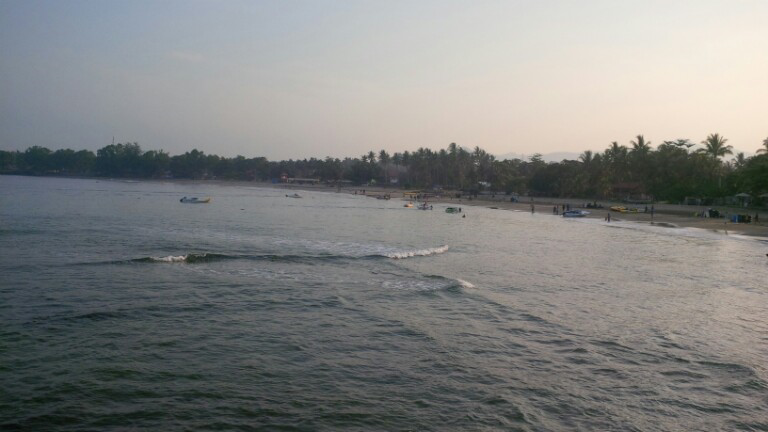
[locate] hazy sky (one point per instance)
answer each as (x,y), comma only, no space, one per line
(295,79)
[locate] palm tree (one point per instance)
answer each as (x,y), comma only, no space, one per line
(715,146)
(640,146)
(384,161)
(586,157)
(616,157)
(740,160)
(765,147)
(640,156)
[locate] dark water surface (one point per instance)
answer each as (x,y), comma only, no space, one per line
(123,309)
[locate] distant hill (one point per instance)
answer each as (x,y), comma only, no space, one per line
(548,157)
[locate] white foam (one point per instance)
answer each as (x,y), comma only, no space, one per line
(464,284)
(170,258)
(412,285)
(418,252)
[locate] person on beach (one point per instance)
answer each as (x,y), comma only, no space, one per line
(532,208)
(608,217)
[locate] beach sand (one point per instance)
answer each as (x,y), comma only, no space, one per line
(665,215)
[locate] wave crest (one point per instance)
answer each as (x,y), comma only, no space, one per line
(418,252)
(195,258)
(464,284)
(189,258)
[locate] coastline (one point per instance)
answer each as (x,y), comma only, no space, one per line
(665,215)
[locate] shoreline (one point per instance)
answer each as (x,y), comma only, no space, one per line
(665,215)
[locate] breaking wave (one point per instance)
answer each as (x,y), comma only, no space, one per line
(426,283)
(418,252)
(189,258)
(464,284)
(195,258)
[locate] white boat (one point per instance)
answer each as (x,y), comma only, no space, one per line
(293,196)
(425,206)
(195,200)
(575,213)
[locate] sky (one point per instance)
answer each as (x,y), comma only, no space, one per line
(299,79)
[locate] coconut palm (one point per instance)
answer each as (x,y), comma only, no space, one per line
(765,147)
(715,146)
(586,157)
(740,160)
(384,159)
(640,146)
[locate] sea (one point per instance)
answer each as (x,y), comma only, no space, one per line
(123,309)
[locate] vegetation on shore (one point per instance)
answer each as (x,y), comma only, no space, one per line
(670,172)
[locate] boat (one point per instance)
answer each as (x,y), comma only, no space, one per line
(293,196)
(453,210)
(195,200)
(425,206)
(622,209)
(575,213)
(409,204)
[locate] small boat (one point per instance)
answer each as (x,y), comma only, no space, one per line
(293,196)
(453,210)
(622,209)
(195,200)
(425,206)
(409,204)
(575,213)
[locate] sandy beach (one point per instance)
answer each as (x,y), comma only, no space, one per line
(667,215)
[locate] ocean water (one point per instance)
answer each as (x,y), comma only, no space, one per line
(123,309)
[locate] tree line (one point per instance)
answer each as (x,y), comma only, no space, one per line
(671,171)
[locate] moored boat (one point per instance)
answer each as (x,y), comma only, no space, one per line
(575,213)
(453,210)
(195,200)
(293,196)
(622,209)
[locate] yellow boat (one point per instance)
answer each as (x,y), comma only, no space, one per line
(622,209)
